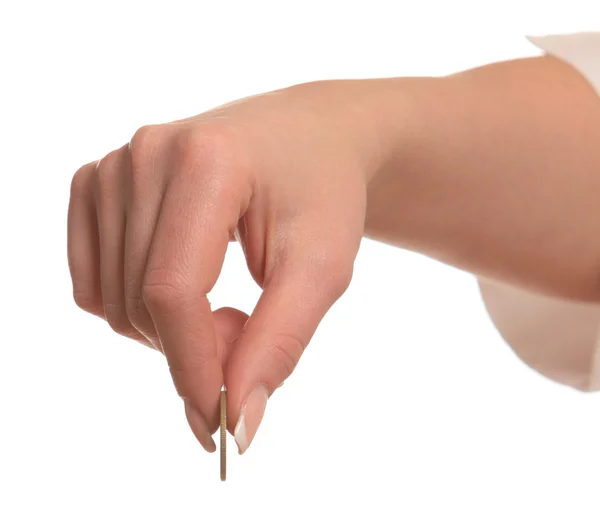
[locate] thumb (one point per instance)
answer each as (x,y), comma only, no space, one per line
(286,316)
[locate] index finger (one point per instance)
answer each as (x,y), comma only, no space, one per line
(192,233)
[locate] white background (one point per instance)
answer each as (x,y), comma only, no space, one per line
(407,398)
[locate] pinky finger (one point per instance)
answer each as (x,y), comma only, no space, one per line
(82,243)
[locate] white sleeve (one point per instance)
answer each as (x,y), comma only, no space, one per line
(558,338)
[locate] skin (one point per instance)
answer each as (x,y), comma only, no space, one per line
(493,170)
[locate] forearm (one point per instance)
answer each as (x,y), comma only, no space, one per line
(495,170)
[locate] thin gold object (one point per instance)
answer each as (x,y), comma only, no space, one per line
(223,434)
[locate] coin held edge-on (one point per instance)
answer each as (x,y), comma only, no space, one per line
(223,434)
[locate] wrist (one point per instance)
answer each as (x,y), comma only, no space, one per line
(377,118)
(403,114)
(385,122)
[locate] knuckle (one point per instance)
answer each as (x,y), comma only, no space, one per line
(86,300)
(342,278)
(183,371)
(118,320)
(134,306)
(182,367)
(335,271)
(139,317)
(81,179)
(284,353)
(206,147)
(164,290)
(105,172)
(144,145)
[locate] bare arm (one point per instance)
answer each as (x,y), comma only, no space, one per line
(497,171)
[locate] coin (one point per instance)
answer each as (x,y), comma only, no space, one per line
(223,434)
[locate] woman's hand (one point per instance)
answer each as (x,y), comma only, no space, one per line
(286,173)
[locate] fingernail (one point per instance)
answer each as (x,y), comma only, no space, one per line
(252,413)
(199,428)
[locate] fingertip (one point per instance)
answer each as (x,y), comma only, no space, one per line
(212,447)
(199,427)
(229,323)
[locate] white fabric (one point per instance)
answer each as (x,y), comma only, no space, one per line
(558,338)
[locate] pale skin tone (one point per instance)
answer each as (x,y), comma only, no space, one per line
(494,170)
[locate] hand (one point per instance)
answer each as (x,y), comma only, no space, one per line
(286,174)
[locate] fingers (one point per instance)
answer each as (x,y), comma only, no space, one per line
(82,244)
(148,229)
(292,304)
(185,259)
(145,184)
(109,194)
(229,323)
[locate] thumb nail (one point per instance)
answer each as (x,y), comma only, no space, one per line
(252,413)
